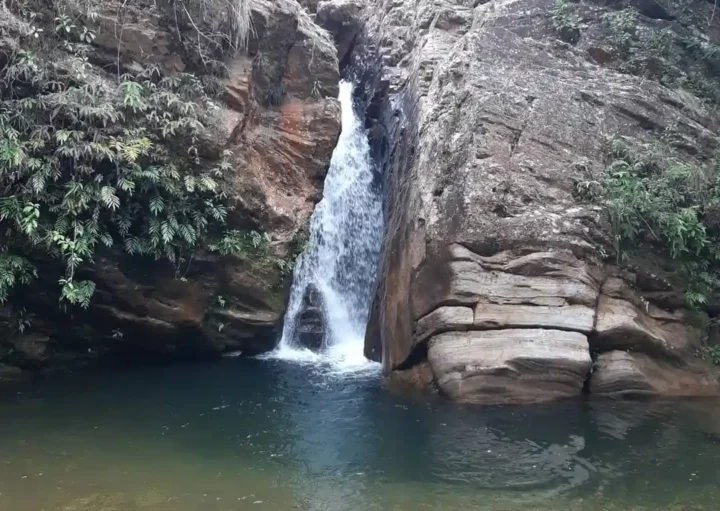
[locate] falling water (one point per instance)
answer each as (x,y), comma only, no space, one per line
(340,261)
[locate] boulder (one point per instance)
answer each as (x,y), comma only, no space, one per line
(628,374)
(467,291)
(509,366)
(622,325)
(343,19)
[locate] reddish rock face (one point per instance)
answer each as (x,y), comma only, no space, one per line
(281,153)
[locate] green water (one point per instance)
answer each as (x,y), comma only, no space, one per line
(271,435)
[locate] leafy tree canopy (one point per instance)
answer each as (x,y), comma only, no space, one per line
(89,161)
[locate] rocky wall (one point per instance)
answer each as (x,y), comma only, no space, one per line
(493,270)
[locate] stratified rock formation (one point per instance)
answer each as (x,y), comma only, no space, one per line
(519,365)
(493,270)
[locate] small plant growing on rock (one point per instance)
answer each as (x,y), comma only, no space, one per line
(713,353)
(316,91)
(566,21)
(23,321)
(677,56)
(239,243)
(622,27)
(286,267)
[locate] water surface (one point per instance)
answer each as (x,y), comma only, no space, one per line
(274,435)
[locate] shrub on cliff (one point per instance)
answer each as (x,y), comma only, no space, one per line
(681,56)
(89,160)
(652,196)
(671,43)
(566,21)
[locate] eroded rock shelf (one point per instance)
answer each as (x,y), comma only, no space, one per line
(522,328)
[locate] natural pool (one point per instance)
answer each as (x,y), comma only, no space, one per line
(273,435)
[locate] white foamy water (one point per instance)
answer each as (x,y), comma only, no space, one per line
(341,258)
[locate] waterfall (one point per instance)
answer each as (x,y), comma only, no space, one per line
(336,272)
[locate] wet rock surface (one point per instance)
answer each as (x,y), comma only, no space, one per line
(311,326)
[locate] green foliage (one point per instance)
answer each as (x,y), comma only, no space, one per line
(651,197)
(622,26)
(22,320)
(297,247)
(13,270)
(239,243)
(286,267)
(679,57)
(86,162)
(566,21)
(713,352)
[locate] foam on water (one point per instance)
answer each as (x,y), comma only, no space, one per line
(340,261)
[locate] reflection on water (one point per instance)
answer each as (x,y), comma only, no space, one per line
(268,435)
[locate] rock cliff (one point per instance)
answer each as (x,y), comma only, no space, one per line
(280,119)
(499,282)
(493,269)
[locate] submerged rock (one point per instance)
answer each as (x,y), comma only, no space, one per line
(418,378)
